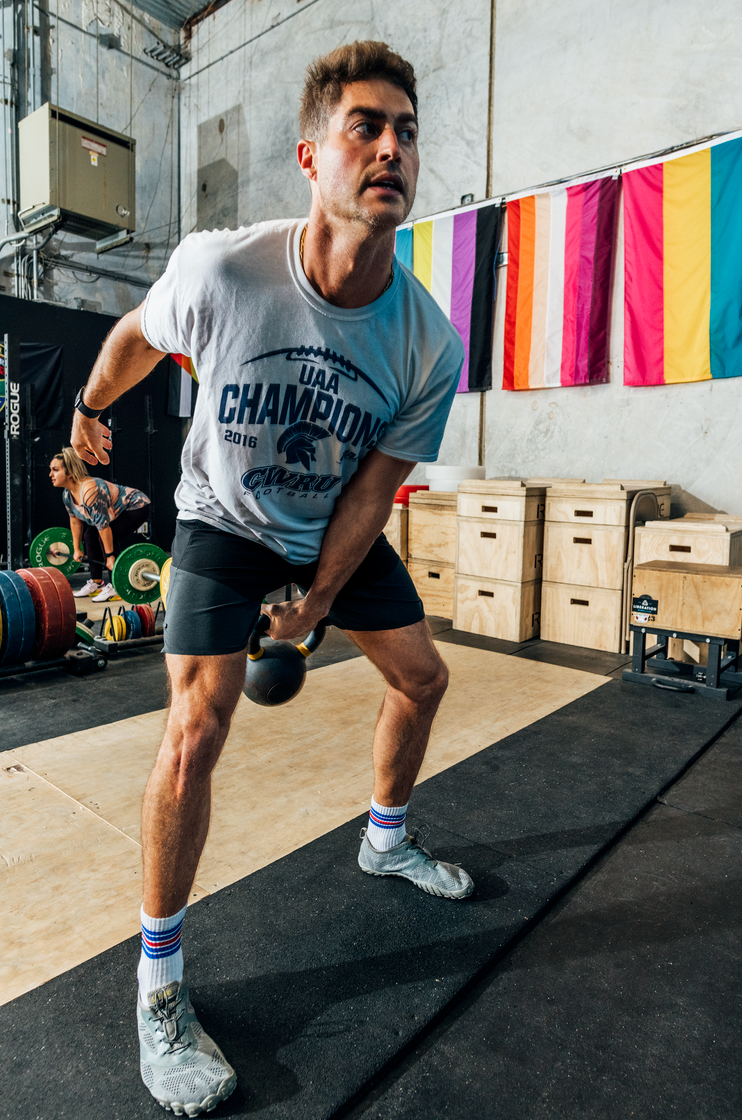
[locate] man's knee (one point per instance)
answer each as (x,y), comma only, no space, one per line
(193,742)
(427,687)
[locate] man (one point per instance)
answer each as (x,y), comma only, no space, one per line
(326,372)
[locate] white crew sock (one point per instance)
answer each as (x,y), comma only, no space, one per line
(386,826)
(161,961)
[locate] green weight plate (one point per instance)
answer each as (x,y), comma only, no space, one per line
(130,571)
(54,549)
(83,633)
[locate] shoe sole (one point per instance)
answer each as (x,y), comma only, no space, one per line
(208,1104)
(456,896)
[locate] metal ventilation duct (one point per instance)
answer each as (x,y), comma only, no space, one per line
(174,13)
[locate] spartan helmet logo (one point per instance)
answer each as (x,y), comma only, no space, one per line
(298,442)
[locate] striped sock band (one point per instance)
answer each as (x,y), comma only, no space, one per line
(161,961)
(386,826)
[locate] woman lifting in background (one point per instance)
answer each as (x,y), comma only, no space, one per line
(102,513)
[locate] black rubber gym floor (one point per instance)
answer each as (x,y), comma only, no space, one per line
(319,981)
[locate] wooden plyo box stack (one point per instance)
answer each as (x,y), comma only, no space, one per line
(585,542)
(395,530)
(705,539)
(499,549)
(431,548)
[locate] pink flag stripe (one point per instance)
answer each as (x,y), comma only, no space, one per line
(571,271)
(644,315)
(588,227)
(462,282)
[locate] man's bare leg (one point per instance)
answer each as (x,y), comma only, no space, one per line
(181,1066)
(417,679)
(177,801)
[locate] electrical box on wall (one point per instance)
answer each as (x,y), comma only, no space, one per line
(78,175)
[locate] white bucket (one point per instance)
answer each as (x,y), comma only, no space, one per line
(441,477)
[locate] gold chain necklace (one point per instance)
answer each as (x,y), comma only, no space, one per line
(301,259)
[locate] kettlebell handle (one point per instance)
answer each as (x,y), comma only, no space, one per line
(255,650)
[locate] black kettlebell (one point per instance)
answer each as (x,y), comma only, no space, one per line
(275,673)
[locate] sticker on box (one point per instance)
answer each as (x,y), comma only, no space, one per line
(644,609)
(93,145)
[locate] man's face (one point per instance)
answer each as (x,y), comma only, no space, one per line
(366,167)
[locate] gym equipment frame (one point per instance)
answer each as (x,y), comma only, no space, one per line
(718,680)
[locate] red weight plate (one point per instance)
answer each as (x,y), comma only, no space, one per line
(48,612)
(147,615)
(69,609)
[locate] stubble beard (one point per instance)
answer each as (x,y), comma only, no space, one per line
(352,209)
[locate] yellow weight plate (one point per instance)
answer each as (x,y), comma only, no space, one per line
(165,581)
(115,629)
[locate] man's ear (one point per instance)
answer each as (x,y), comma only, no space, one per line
(305,153)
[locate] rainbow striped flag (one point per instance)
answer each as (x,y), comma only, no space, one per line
(683,268)
(557,305)
(453,256)
(186,363)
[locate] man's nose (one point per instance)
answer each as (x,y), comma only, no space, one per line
(389,144)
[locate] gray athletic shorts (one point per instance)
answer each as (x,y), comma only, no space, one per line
(218,582)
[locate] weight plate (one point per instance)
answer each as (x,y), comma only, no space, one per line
(69,608)
(165,581)
(129,573)
(119,628)
(19,619)
(133,624)
(115,629)
(84,634)
(48,609)
(54,548)
(147,616)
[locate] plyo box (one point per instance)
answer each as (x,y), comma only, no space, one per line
(686,541)
(431,548)
(395,530)
(585,547)
(696,598)
(499,552)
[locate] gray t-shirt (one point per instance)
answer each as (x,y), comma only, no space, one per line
(293,391)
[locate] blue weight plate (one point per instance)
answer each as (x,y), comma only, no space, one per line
(19,619)
(28,611)
(133,624)
(12,621)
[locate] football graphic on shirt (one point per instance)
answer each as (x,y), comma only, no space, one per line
(297,442)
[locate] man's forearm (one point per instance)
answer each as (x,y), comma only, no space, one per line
(352,530)
(125,359)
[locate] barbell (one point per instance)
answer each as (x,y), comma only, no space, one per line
(275,672)
(140,574)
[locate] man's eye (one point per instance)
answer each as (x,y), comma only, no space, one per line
(407,134)
(365,127)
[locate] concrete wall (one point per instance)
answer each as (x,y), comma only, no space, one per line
(247,72)
(578,84)
(124,90)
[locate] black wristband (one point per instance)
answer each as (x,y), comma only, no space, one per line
(91,413)
(107,554)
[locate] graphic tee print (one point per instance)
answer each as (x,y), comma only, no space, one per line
(294,392)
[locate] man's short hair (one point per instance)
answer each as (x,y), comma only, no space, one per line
(355,62)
